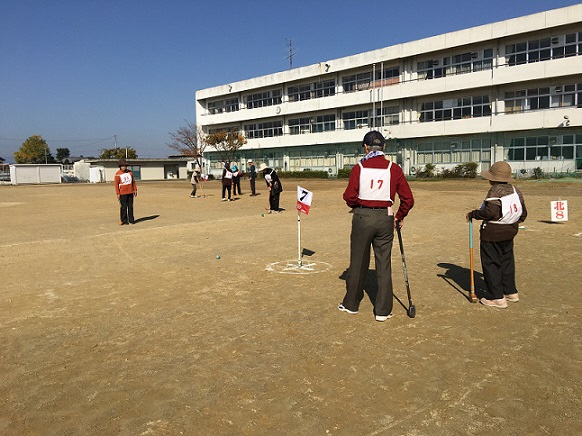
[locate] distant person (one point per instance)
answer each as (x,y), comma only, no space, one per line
(252,176)
(501,212)
(236,180)
(273,185)
(194,180)
(126,189)
(371,191)
(226,182)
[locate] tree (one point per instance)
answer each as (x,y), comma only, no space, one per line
(63,153)
(118,153)
(188,140)
(226,143)
(34,150)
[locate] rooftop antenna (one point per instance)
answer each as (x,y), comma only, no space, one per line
(291,53)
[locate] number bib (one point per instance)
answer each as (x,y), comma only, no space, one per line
(511,209)
(125,179)
(375,183)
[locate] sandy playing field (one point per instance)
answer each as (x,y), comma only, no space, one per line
(141,330)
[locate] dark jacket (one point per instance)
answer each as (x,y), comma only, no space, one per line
(491,211)
(225,181)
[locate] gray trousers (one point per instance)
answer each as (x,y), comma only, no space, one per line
(370,227)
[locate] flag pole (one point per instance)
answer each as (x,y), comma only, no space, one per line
(299,239)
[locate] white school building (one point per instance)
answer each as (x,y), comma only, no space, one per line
(510,90)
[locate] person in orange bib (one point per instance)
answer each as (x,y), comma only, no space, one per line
(126,189)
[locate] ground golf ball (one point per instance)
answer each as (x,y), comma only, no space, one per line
(217,256)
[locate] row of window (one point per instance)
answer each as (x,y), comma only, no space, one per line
(474,150)
(261,99)
(544,49)
(543,98)
(544,148)
(455,109)
(458,64)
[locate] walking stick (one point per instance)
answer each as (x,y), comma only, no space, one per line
(472,295)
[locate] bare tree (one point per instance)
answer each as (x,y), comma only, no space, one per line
(226,143)
(188,140)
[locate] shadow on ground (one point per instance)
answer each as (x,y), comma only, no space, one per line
(459,278)
(146,218)
(371,287)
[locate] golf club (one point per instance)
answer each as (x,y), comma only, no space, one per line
(411,309)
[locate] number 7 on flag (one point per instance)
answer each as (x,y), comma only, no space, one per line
(304,198)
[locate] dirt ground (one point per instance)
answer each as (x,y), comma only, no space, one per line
(141,330)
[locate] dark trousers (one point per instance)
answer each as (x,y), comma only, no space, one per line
(370,227)
(236,186)
(126,208)
(498,268)
(274,201)
(194,187)
(253,187)
(225,189)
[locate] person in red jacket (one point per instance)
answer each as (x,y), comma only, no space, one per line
(371,190)
(126,189)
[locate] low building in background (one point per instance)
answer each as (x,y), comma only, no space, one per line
(35,174)
(142,168)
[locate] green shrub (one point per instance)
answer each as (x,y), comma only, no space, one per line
(427,172)
(344,173)
(305,174)
(538,173)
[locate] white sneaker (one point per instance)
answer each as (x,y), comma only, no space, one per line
(383,318)
(224,199)
(500,303)
(343,309)
(514,298)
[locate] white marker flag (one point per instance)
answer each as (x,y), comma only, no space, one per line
(304,198)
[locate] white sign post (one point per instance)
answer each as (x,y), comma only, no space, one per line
(559,210)
(304,198)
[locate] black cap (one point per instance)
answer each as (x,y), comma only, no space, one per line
(373,138)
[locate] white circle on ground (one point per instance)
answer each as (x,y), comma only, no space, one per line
(293,267)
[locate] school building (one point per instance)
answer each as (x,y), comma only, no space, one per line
(510,90)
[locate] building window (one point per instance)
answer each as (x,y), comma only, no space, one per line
(262,99)
(220,106)
(356,119)
(312,90)
(264,130)
(537,50)
(223,129)
(387,116)
(543,98)
(455,109)
(458,64)
(320,123)
(363,81)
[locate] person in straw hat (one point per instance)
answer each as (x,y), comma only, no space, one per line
(501,213)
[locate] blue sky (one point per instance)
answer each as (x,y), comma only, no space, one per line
(78,72)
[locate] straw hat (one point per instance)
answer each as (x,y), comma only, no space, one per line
(499,172)
(263,167)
